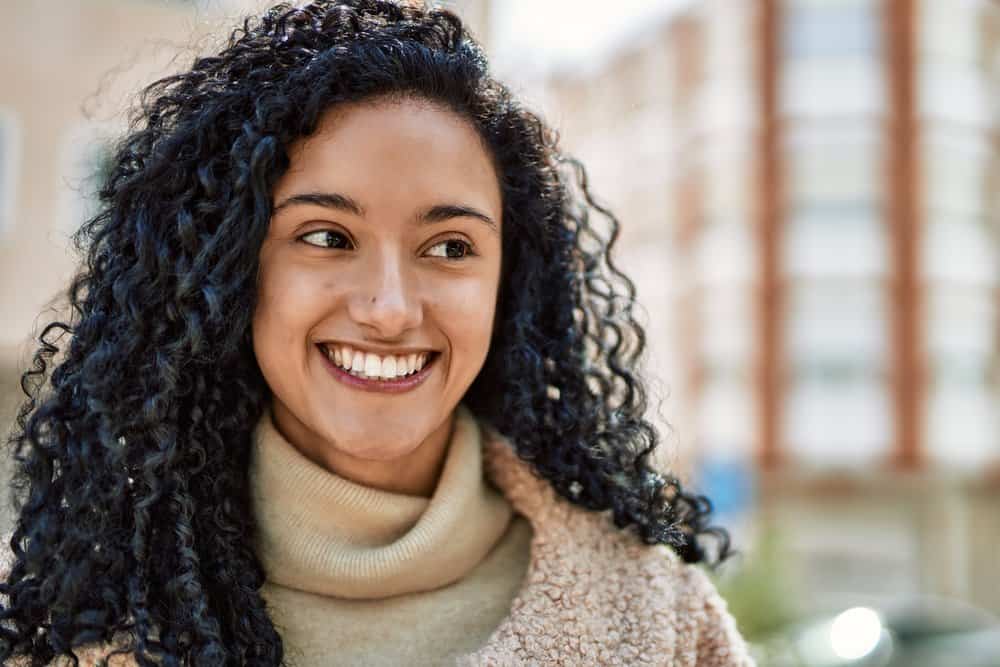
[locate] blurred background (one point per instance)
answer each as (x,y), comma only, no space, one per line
(809,207)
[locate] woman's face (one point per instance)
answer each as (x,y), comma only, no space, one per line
(383,255)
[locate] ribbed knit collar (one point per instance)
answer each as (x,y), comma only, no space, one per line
(321,533)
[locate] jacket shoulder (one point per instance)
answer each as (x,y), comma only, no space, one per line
(716,639)
(596,594)
(680,598)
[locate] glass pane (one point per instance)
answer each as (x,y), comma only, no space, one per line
(955,94)
(9,147)
(962,425)
(835,241)
(955,163)
(950,31)
(831,31)
(837,420)
(838,326)
(825,88)
(960,331)
(959,249)
(834,162)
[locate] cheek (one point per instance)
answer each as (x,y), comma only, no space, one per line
(466,308)
(281,319)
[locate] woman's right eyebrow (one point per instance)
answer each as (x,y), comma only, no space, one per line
(332,200)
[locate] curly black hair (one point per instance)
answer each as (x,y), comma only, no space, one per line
(132,454)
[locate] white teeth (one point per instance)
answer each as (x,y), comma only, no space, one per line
(389,367)
(372,365)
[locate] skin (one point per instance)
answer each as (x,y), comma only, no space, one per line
(385,280)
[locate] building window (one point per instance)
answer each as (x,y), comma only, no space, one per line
(838,323)
(832,32)
(838,410)
(959,328)
(959,250)
(10,154)
(960,95)
(952,31)
(832,61)
(838,415)
(833,88)
(834,161)
(956,163)
(846,240)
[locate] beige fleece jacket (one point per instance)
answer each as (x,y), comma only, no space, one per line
(592,594)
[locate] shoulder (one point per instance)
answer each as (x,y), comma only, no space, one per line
(635,601)
(596,592)
(715,638)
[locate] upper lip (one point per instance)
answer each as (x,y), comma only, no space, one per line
(396,351)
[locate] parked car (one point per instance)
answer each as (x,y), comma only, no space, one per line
(922,631)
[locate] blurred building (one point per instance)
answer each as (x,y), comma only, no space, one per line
(809,194)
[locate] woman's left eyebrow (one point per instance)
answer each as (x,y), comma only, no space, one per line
(443,212)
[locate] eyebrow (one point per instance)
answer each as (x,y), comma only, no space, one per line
(339,202)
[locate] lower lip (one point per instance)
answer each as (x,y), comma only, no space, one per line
(398,386)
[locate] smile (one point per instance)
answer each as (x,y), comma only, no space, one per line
(372,372)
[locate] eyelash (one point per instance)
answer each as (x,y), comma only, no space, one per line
(329,232)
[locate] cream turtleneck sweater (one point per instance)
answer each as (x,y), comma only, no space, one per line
(360,576)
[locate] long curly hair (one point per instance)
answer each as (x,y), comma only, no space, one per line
(132,447)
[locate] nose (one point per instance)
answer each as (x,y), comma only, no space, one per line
(386,304)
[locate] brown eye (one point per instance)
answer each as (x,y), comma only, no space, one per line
(327,238)
(451,249)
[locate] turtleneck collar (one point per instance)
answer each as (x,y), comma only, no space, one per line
(321,533)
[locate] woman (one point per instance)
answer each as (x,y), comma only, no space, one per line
(351,381)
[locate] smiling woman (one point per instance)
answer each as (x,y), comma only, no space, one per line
(351,380)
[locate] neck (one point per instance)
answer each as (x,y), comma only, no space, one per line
(414,474)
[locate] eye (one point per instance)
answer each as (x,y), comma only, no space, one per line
(326,238)
(451,249)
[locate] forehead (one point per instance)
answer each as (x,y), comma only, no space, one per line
(391,152)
